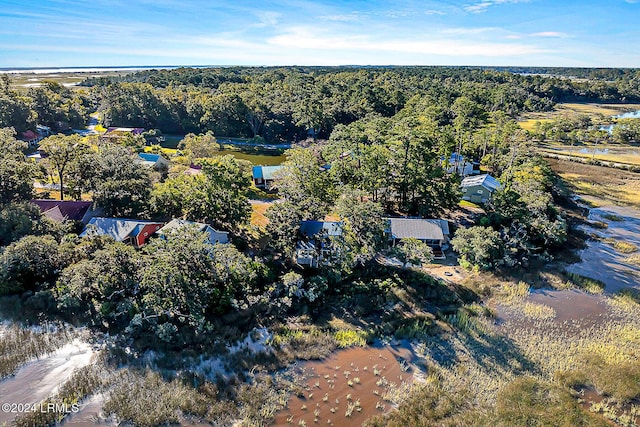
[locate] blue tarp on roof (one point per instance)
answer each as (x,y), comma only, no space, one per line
(265,172)
(257,172)
(312,228)
(148,157)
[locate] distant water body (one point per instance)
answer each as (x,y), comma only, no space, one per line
(52,70)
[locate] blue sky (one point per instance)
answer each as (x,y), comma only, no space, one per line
(330,32)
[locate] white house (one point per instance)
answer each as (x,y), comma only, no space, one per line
(459,164)
(215,236)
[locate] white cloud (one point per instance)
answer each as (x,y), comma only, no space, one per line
(434,12)
(552,34)
(304,39)
(470,30)
(266,19)
(482,6)
(347,17)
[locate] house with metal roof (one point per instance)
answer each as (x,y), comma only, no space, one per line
(316,245)
(66,210)
(433,232)
(175,225)
(130,231)
(478,189)
(155,161)
(461,165)
(264,176)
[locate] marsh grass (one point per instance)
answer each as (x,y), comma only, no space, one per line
(514,297)
(622,246)
(82,383)
(615,413)
(593,286)
(633,260)
(19,345)
(147,400)
(538,311)
(351,338)
(607,185)
(613,217)
(416,328)
(627,299)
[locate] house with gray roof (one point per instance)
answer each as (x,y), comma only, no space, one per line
(478,189)
(433,232)
(130,231)
(264,176)
(214,236)
(316,244)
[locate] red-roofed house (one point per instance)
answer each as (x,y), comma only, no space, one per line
(31,138)
(66,210)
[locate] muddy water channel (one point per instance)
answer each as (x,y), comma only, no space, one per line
(41,378)
(601,260)
(348,387)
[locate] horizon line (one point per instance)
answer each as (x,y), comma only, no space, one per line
(149,67)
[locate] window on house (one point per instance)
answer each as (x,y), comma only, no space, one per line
(479,191)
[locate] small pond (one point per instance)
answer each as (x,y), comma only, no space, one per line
(268,155)
(628,115)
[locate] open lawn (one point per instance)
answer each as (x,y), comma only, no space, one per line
(258,218)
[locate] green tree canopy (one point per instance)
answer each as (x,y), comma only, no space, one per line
(480,247)
(62,151)
(199,146)
(17,173)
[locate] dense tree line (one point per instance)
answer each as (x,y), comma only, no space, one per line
(292,103)
(51,104)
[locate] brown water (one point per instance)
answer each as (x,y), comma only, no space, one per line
(572,306)
(328,395)
(256,159)
(600,260)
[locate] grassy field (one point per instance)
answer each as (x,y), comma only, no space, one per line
(258,218)
(598,184)
(529,120)
(624,154)
(23,81)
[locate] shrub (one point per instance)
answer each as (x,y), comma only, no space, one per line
(31,260)
(350,338)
